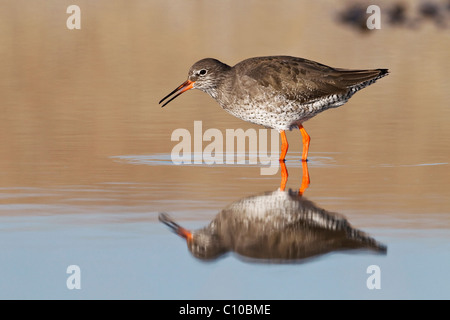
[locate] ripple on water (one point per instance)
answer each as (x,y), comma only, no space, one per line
(324,159)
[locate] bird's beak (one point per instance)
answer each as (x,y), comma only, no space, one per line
(185,86)
(182,232)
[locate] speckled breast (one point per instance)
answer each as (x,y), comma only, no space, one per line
(279,113)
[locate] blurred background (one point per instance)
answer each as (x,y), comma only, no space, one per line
(77,107)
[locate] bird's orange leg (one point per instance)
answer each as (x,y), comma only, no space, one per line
(306,139)
(305,178)
(284,176)
(284,145)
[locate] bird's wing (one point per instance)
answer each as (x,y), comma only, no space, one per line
(300,79)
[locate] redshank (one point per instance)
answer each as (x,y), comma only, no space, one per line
(278,92)
(279,226)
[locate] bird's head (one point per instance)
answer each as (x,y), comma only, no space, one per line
(205,75)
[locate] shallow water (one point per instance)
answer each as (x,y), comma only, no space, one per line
(86,167)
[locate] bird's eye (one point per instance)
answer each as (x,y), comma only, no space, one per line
(202,72)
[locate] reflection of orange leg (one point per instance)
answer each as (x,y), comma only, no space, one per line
(305,178)
(306,139)
(284,175)
(284,145)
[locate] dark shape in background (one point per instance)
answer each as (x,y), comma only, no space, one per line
(397,14)
(355,16)
(434,12)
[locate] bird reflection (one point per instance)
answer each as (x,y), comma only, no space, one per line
(278,226)
(305,177)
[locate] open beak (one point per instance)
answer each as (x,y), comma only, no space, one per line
(182,232)
(185,86)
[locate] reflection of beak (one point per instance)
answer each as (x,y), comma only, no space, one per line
(182,232)
(185,86)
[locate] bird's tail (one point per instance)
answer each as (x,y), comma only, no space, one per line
(356,80)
